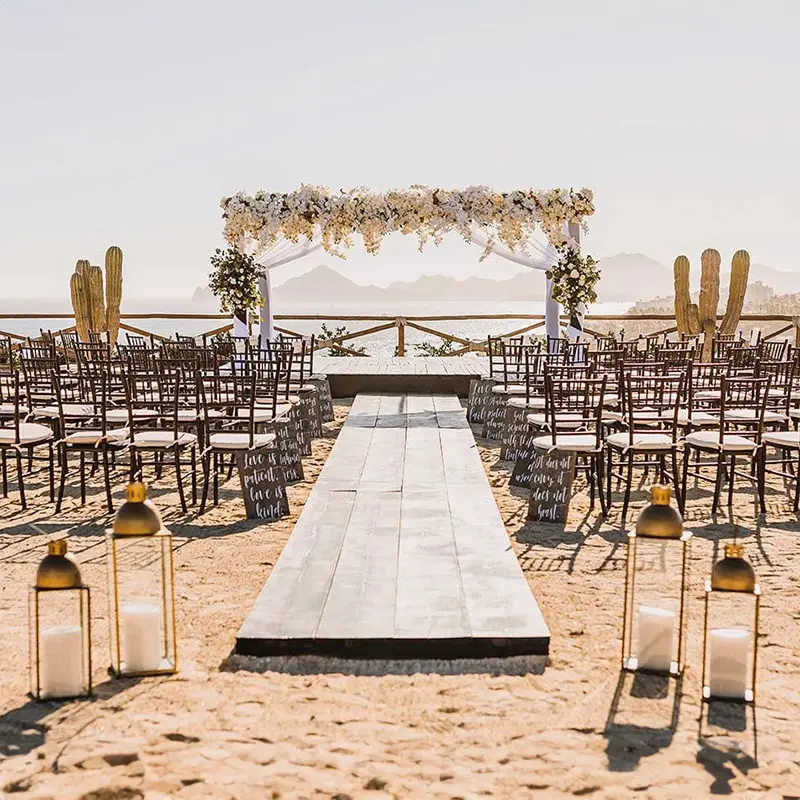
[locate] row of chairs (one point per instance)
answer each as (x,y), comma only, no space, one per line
(95,403)
(619,414)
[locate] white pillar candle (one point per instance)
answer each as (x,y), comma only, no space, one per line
(61,661)
(141,636)
(729,654)
(655,634)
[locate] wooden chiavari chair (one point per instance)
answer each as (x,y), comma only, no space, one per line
(18,437)
(91,435)
(652,405)
(729,441)
(235,406)
(164,434)
(573,410)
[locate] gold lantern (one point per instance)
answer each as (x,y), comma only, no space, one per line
(141,589)
(730,629)
(656,572)
(60,628)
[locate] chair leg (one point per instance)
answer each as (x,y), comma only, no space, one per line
(179,478)
(676,482)
(52,471)
(215,495)
(628,484)
(591,476)
(107,481)
(83,477)
(761,455)
(718,481)
(194,476)
(600,482)
(685,477)
(21,479)
(797,485)
(62,459)
(609,471)
(731,479)
(206,461)
(5,475)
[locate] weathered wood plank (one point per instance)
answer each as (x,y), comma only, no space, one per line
(361,601)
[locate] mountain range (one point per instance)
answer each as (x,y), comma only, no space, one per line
(624,277)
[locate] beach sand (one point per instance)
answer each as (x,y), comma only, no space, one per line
(569,726)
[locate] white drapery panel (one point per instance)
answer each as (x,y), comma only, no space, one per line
(540,256)
(283,252)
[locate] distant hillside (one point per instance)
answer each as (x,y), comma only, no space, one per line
(626,276)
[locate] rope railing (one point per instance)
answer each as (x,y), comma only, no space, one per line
(386,322)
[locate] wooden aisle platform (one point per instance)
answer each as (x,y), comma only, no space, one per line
(424,374)
(400,551)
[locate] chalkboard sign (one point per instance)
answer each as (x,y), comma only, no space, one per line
(325,400)
(288,452)
(518,435)
(523,464)
(480,395)
(263,485)
(494,416)
(551,486)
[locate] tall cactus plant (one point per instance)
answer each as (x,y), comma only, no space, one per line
(97,308)
(113,291)
(696,318)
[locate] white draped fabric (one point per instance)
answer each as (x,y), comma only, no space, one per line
(541,256)
(283,252)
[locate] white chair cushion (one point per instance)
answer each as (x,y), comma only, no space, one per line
(700,418)
(29,433)
(708,394)
(577,442)
(191,415)
(121,414)
(567,421)
(641,441)
(93,437)
(709,440)
(519,402)
(240,441)
(7,410)
(786,439)
(261,414)
(162,439)
(751,415)
(72,410)
(511,389)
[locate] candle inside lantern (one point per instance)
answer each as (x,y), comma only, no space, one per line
(729,651)
(656,630)
(61,661)
(141,636)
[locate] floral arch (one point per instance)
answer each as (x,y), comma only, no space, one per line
(278,228)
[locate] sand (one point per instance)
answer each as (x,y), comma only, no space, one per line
(568,726)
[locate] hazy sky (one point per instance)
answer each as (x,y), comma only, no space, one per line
(126,121)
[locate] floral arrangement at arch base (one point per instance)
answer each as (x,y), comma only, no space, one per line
(574,279)
(234,280)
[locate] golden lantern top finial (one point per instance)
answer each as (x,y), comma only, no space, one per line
(660,520)
(733,573)
(58,569)
(137,516)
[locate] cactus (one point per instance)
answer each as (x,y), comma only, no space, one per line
(80,305)
(694,318)
(740,271)
(96,310)
(113,291)
(97,299)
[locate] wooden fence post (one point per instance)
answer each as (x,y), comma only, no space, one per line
(796,323)
(401,335)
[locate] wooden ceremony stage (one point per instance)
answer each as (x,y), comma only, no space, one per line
(400,551)
(424,375)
